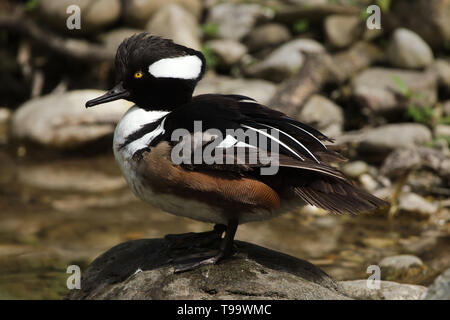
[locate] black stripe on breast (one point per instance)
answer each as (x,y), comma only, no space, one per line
(146,128)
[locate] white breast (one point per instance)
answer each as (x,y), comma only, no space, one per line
(134,119)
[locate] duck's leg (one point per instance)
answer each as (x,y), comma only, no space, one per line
(195,239)
(195,260)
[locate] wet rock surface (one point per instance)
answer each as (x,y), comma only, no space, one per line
(140,270)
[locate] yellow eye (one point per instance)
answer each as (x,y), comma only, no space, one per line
(138,75)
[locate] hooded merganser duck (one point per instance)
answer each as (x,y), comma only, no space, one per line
(159,76)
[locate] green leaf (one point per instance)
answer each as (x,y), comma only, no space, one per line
(210,29)
(384,5)
(301,26)
(31,5)
(211,59)
(401,86)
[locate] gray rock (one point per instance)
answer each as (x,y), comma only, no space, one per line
(368,182)
(389,137)
(235,21)
(440,289)
(406,49)
(342,30)
(446,108)
(174,22)
(442,130)
(62,121)
(267,36)
(355,168)
(413,203)
(228,51)
(284,61)
(114,38)
(260,90)
(382,90)
(357,289)
(140,269)
(322,113)
(138,12)
(96,14)
(414,158)
(404,268)
(433,25)
(442,69)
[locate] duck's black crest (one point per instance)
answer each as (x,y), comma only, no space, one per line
(144,49)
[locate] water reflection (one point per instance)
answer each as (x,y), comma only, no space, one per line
(58,211)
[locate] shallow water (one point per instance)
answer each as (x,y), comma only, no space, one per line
(56,211)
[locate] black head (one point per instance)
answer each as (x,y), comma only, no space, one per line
(154,73)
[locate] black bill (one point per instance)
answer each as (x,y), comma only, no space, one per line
(116,93)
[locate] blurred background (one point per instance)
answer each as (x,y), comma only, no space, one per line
(383,94)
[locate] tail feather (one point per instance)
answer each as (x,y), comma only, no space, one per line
(339,197)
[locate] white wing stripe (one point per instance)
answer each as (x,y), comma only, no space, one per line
(315,138)
(292,138)
(275,139)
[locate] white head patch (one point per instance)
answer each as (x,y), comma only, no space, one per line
(185,67)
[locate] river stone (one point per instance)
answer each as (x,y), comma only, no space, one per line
(174,22)
(62,121)
(416,158)
(95,14)
(379,89)
(406,49)
(358,289)
(389,137)
(114,38)
(440,288)
(413,203)
(284,61)
(260,90)
(138,12)
(442,130)
(446,108)
(322,113)
(342,30)
(427,18)
(140,269)
(267,36)
(355,169)
(228,51)
(402,268)
(235,21)
(442,69)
